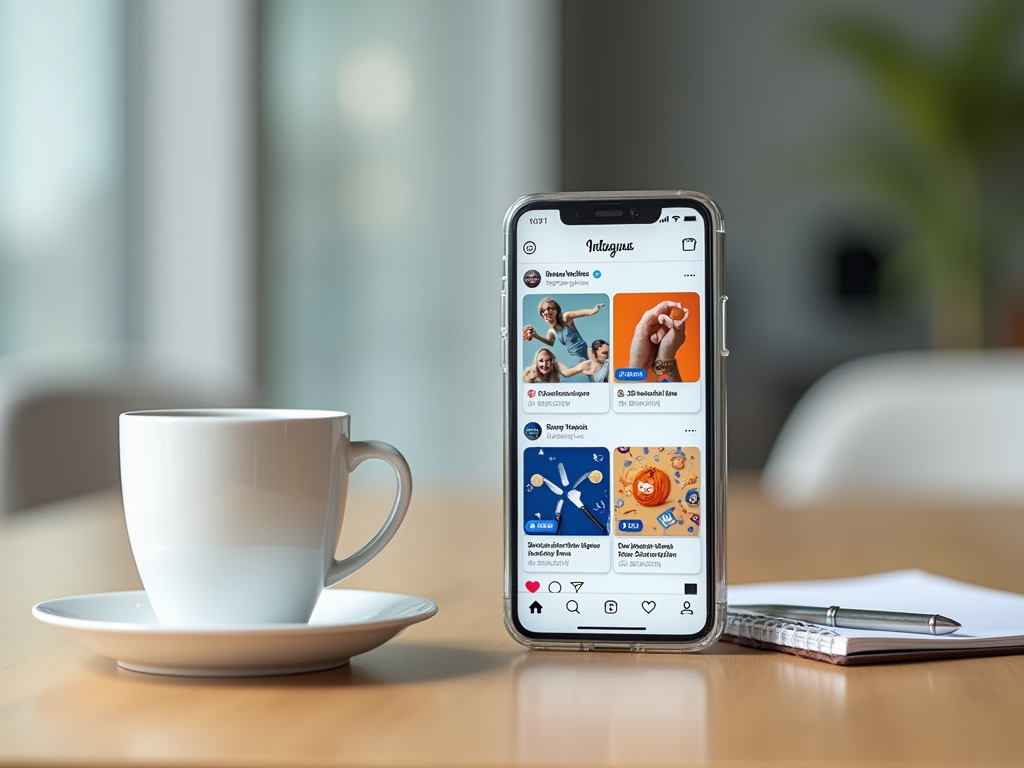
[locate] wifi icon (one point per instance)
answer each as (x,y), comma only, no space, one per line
(675,218)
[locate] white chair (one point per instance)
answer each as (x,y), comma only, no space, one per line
(941,425)
(59,413)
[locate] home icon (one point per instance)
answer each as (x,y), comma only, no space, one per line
(536,607)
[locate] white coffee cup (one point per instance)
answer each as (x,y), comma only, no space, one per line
(234,514)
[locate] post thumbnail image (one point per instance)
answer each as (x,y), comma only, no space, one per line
(565,338)
(657,337)
(565,491)
(657,491)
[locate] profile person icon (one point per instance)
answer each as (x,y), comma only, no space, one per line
(686,609)
(532,278)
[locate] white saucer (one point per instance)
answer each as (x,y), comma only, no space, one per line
(122,626)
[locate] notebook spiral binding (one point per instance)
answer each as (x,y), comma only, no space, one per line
(785,632)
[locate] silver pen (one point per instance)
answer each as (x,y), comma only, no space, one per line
(853,618)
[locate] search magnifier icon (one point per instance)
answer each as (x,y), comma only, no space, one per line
(573,606)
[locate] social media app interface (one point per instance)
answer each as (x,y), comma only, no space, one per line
(608,326)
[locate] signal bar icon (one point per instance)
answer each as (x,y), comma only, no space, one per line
(663,221)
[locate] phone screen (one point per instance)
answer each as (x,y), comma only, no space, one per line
(611,444)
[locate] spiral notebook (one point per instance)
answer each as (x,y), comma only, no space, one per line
(993,621)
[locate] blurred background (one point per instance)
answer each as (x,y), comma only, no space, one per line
(300,203)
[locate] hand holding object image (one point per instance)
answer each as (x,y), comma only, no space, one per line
(657,337)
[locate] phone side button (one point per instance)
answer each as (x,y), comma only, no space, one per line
(503,331)
(725,349)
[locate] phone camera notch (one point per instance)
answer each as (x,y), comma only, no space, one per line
(610,212)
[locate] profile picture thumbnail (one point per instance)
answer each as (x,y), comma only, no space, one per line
(656,491)
(565,338)
(531,278)
(565,491)
(657,337)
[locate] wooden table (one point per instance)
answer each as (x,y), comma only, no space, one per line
(457,691)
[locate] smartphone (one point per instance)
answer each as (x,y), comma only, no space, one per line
(613,350)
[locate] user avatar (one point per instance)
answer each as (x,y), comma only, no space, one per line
(532,430)
(565,491)
(532,278)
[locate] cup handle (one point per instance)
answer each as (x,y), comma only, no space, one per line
(358,452)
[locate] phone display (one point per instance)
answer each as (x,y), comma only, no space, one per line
(613,350)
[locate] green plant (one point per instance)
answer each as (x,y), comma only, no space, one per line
(947,155)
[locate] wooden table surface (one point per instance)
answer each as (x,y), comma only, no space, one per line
(457,691)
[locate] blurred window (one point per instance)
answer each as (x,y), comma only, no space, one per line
(397,134)
(61,219)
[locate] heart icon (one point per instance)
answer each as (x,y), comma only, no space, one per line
(648,605)
(532,586)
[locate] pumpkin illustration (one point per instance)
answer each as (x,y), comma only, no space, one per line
(651,486)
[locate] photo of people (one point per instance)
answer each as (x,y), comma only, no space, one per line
(657,337)
(565,492)
(573,331)
(657,491)
(547,369)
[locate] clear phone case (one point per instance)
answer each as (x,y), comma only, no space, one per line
(716,412)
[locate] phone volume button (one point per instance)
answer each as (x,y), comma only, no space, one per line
(503,330)
(725,349)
